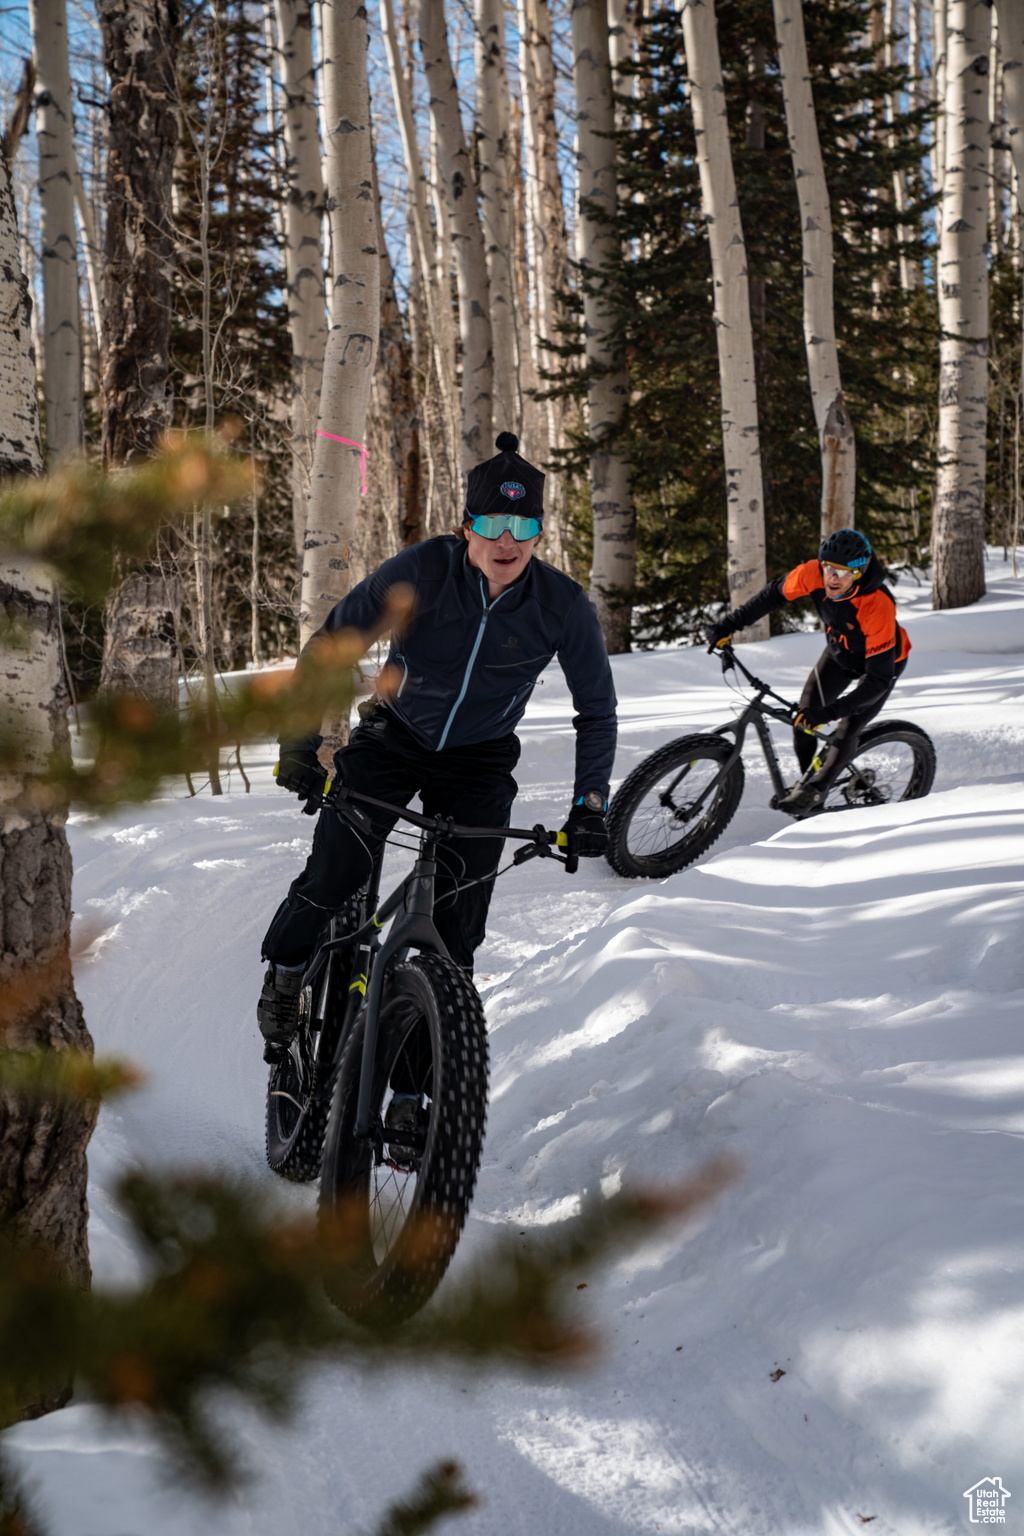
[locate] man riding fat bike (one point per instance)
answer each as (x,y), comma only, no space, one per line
(864,644)
(487,619)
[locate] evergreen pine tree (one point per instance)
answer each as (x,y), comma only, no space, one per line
(663,302)
(222,86)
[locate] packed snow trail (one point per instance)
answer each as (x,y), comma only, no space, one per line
(838,1001)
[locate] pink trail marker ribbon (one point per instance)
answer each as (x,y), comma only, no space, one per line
(349,444)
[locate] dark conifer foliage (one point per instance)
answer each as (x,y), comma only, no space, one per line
(222,89)
(887,338)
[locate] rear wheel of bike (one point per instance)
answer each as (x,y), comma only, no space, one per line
(296,1117)
(298,1093)
(895,760)
(658,821)
(396,1207)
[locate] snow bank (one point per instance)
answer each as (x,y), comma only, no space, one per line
(838,1001)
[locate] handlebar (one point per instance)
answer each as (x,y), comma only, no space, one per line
(789,711)
(540,840)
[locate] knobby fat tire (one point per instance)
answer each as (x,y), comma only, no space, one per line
(294,1135)
(920,744)
(692,841)
(386,1290)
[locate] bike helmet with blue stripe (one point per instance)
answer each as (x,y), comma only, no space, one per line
(846,547)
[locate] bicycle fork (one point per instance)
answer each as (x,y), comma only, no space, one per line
(414,926)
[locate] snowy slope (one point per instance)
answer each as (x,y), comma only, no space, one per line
(838,1001)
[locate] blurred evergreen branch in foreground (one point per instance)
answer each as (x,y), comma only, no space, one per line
(234,1299)
(232,1296)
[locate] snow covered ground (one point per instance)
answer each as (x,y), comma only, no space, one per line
(838,1001)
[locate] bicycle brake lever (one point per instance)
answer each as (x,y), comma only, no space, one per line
(338,801)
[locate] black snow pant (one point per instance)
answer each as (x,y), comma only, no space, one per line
(826,682)
(473,785)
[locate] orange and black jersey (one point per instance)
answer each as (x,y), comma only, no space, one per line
(861,629)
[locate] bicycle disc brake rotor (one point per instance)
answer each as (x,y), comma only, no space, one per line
(668,807)
(877,776)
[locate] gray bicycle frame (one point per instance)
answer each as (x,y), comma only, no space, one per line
(413,928)
(754,714)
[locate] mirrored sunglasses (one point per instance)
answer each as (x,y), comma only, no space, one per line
(840,570)
(519,527)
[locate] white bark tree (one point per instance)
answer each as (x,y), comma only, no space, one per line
(467,236)
(339,459)
(958,522)
(440,331)
(303,247)
(613,568)
(58,173)
(1011,45)
(939,52)
(547,245)
(741,441)
(834,423)
(42,1144)
(493,160)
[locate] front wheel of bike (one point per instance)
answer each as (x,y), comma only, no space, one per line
(670,809)
(895,760)
(393,1207)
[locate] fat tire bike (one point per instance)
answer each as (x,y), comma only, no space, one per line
(382,1092)
(680,800)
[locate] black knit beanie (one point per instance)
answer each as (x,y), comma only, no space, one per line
(506,483)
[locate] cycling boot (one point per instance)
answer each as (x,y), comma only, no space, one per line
(802,800)
(277,1011)
(405,1127)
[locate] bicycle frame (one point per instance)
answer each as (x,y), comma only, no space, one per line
(413,901)
(754,714)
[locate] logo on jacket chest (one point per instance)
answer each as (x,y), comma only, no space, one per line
(511,644)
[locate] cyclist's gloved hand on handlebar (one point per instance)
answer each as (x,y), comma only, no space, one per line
(814,716)
(300,771)
(585,835)
(718,634)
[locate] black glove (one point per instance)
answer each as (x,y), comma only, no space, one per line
(716,633)
(301,772)
(815,715)
(585,834)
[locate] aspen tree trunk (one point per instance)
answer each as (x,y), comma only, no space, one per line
(532,413)
(835,426)
(958,523)
(62,339)
(141,39)
(304,263)
(995,153)
(467,237)
(395,400)
(351,350)
(613,569)
(547,245)
(740,437)
(440,337)
(493,161)
(1011,44)
(908,274)
(940,43)
(43,1144)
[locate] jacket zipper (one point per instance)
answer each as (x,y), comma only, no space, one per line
(469,665)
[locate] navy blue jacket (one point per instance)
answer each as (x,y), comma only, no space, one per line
(467,663)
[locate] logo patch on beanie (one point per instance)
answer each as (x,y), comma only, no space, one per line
(513,490)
